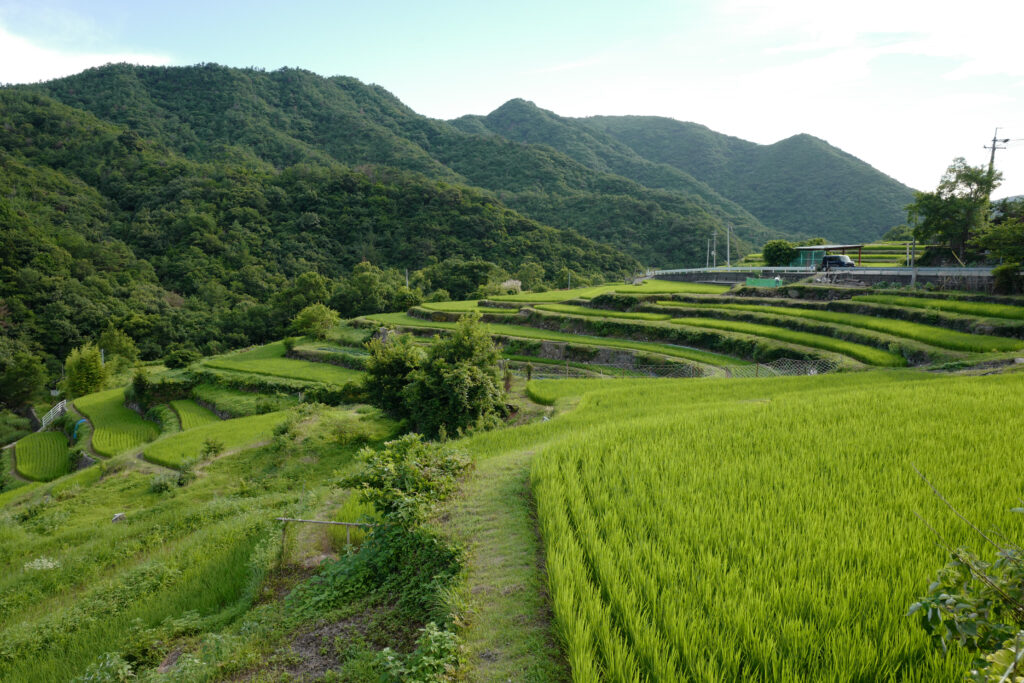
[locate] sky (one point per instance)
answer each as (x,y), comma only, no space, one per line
(905,85)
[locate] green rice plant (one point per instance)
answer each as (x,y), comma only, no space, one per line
(763,529)
(269,360)
(600,312)
(464,306)
(584,340)
(950,305)
(191,414)
(43,456)
(928,334)
(647,287)
(116,427)
(865,354)
(180,449)
(238,403)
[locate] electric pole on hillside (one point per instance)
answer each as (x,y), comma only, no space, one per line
(996,142)
(707,261)
(728,253)
(714,251)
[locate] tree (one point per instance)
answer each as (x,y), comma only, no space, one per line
(388,368)
(84,371)
(315,320)
(457,387)
(21,373)
(778,253)
(958,209)
(530,274)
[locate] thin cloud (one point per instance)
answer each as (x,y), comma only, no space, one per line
(22,61)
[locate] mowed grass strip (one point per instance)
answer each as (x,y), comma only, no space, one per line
(116,427)
(192,415)
(178,449)
(865,354)
(583,340)
(927,334)
(269,360)
(600,313)
(42,456)
(977,308)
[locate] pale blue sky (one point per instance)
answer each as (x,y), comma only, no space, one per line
(906,85)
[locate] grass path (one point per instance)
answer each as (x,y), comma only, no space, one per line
(509,635)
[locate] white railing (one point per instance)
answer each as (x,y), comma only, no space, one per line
(52,414)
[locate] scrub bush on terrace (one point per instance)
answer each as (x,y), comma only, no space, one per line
(766,531)
(117,428)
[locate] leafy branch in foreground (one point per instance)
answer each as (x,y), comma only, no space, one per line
(980,606)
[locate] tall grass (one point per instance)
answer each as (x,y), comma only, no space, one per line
(865,354)
(116,428)
(191,414)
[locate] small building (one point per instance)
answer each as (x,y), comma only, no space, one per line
(810,257)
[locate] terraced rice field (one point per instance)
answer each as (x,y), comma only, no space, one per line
(116,428)
(270,360)
(186,446)
(981,309)
(648,287)
(928,334)
(42,456)
(865,354)
(764,530)
(524,332)
(192,415)
(238,403)
(464,307)
(600,312)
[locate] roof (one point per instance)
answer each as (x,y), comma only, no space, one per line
(828,247)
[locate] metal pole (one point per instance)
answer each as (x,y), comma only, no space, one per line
(913,264)
(728,254)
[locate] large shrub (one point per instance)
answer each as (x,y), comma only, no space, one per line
(778,253)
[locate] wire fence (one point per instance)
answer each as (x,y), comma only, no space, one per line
(776,368)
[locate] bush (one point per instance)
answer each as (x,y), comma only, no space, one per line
(388,372)
(181,358)
(457,387)
(315,320)
(778,253)
(1007,279)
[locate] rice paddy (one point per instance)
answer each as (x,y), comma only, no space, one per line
(765,530)
(865,354)
(647,287)
(928,334)
(270,360)
(43,456)
(524,332)
(977,308)
(116,427)
(600,312)
(192,415)
(179,449)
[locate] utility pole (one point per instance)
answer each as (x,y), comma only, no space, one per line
(996,142)
(728,254)
(707,261)
(714,251)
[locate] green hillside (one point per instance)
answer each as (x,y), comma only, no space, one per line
(800,184)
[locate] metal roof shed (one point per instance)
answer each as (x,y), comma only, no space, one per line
(812,255)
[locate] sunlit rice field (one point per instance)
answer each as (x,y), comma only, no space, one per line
(177,449)
(270,360)
(42,456)
(764,529)
(191,414)
(949,305)
(117,428)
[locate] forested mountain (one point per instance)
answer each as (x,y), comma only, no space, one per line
(287,116)
(104,226)
(203,206)
(800,184)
